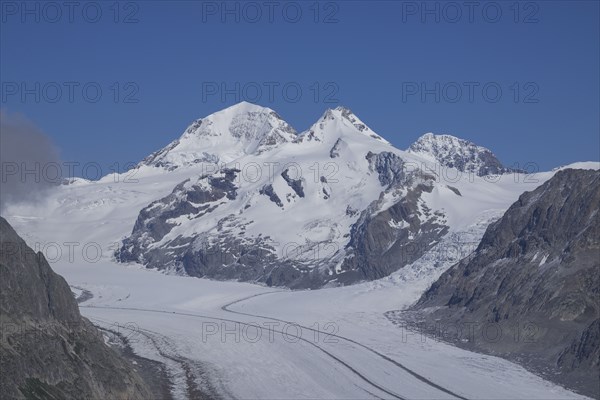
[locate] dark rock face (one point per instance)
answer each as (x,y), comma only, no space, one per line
(295,184)
(455,190)
(535,276)
(253,260)
(268,191)
(48,350)
(338,146)
(384,242)
(389,167)
(221,255)
(153,223)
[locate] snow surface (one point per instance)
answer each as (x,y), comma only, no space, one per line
(158,306)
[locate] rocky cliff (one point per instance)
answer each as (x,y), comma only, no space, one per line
(530,291)
(48,350)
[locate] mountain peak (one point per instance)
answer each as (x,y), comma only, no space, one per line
(453,152)
(340,112)
(221,137)
(339,119)
(244,107)
(432,143)
(344,110)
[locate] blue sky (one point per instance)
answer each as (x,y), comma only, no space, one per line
(160,65)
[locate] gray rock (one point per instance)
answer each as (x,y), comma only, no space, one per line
(388,166)
(384,242)
(535,276)
(295,184)
(339,144)
(48,350)
(153,223)
(455,190)
(268,191)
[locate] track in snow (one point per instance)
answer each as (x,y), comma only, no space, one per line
(383,356)
(225,308)
(348,366)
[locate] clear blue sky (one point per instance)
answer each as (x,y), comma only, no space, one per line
(369,56)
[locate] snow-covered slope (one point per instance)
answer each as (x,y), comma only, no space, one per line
(336,204)
(296,201)
(224,136)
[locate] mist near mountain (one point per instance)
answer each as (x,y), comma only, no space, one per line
(30,161)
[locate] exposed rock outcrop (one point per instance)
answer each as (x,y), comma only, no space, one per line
(451,152)
(48,350)
(534,282)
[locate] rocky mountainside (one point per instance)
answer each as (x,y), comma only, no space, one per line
(531,290)
(335,204)
(48,350)
(451,152)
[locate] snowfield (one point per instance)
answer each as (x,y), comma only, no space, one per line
(246,341)
(242,339)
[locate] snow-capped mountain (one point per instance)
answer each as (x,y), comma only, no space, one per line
(334,204)
(241,196)
(225,136)
(463,155)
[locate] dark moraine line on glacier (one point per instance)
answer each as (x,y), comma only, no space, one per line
(396,363)
(193,392)
(354,371)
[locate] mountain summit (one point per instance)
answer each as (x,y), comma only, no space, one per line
(247,128)
(452,152)
(241,129)
(336,122)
